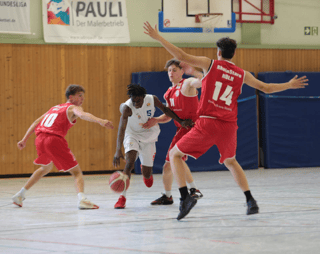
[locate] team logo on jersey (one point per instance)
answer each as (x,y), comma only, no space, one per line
(177,93)
(148,104)
(139,117)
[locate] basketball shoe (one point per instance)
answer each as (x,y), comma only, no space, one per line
(195,193)
(253,207)
(17,199)
(121,204)
(148,182)
(164,200)
(86,204)
(186,206)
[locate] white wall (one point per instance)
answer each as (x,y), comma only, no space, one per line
(293,16)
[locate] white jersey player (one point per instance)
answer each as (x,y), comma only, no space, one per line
(137,141)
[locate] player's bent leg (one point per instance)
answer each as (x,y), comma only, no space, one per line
(35,177)
(147,175)
(83,202)
(177,166)
(241,179)
(130,160)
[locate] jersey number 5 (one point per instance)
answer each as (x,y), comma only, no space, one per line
(49,120)
(226,96)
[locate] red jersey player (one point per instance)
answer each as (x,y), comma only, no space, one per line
(52,148)
(181,98)
(217,123)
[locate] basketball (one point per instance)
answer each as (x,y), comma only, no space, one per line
(119,182)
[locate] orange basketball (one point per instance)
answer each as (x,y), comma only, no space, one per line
(119,182)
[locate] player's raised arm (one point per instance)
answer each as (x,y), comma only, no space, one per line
(184,123)
(190,70)
(22,143)
(126,112)
(294,83)
(78,112)
(198,61)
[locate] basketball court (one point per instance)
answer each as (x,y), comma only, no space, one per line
(49,221)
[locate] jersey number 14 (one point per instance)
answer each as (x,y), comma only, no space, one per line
(226,96)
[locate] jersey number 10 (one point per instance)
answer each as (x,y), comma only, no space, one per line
(226,96)
(49,120)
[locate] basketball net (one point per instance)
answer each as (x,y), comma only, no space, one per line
(208,20)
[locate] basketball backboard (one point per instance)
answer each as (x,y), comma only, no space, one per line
(197,16)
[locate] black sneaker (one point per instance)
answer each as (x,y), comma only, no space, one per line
(185,206)
(253,208)
(164,200)
(195,193)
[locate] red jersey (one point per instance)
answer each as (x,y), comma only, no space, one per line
(220,90)
(56,121)
(184,106)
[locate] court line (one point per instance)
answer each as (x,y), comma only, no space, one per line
(87,245)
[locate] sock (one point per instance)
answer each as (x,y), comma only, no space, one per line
(81,196)
(124,193)
(23,192)
(193,185)
(248,195)
(168,193)
(184,192)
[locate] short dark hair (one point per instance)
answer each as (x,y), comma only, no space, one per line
(73,89)
(135,90)
(171,62)
(227,46)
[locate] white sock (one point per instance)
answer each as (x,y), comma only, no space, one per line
(168,193)
(22,192)
(193,185)
(124,193)
(81,196)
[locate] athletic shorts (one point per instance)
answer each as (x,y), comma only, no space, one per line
(208,132)
(179,134)
(146,151)
(53,148)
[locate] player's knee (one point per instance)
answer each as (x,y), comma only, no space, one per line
(174,153)
(166,168)
(46,169)
(230,162)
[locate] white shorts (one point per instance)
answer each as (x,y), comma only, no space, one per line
(146,151)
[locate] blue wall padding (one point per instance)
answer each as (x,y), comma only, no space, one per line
(157,84)
(289,122)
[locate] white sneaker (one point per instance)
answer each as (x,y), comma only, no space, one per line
(86,204)
(17,199)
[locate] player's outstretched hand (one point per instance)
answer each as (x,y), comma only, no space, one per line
(149,30)
(107,124)
(297,83)
(187,123)
(151,122)
(21,144)
(188,69)
(116,158)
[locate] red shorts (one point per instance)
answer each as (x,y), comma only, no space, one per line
(208,132)
(179,134)
(53,148)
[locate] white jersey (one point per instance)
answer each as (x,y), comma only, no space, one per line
(139,117)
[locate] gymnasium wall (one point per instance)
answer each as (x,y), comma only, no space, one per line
(287,32)
(34,77)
